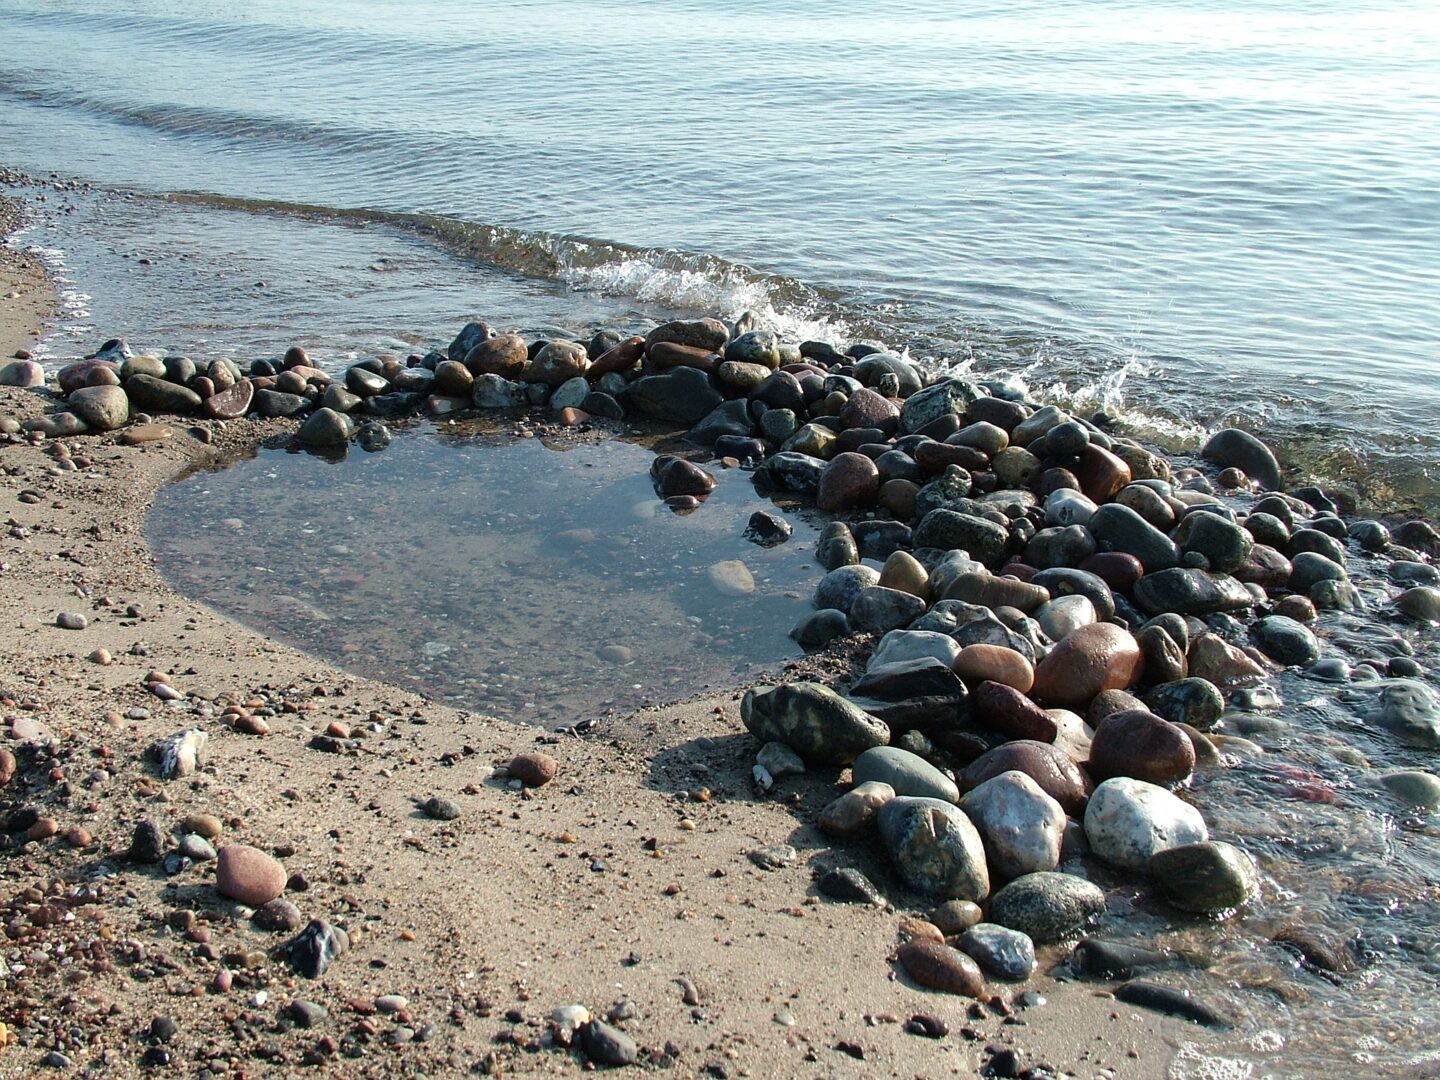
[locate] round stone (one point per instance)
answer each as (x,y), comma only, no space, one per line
(935,848)
(995,663)
(813,720)
(1001,952)
(533,769)
(1207,877)
(248,875)
(904,772)
(1053,772)
(940,967)
(1127,821)
(1021,826)
(1047,906)
(1139,744)
(1093,658)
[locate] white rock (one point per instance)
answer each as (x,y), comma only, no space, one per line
(1066,506)
(182,753)
(1063,614)
(1022,827)
(731,578)
(899,645)
(1127,821)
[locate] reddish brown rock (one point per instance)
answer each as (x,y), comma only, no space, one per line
(1164,660)
(1117,569)
(1139,744)
(73,376)
(939,967)
(1266,567)
(898,496)
(1212,657)
(1101,473)
(935,457)
(573,417)
(849,480)
(1012,714)
(7,767)
(1050,768)
(506,356)
(533,769)
(1101,656)
(248,875)
(665,355)
(675,476)
(867,409)
(231,404)
(995,663)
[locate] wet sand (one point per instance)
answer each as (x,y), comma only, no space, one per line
(614,882)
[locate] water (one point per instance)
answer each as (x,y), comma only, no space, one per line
(1209,210)
(542,583)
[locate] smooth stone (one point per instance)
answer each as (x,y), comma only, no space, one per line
(673,475)
(278,916)
(920,677)
(147,845)
(306,1014)
(851,812)
(1101,473)
(849,481)
(441,809)
(903,645)
(1308,568)
(683,394)
(326,427)
(470,335)
(1064,614)
(709,334)
(904,572)
(985,541)
(840,587)
(756,348)
(570,393)
(1001,952)
(1209,877)
(1119,528)
(1213,658)
(1190,591)
(813,720)
(533,768)
(1020,825)
(1223,544)
(1419,789)
(779,760)
(791,471)
(850,886)
(935,848)
(1233,448)
(904,772)
(1127,821)
(1139,744)
(196,848)
(557,363)
(878,609)
(104,408)
(1171,1001)
(25,374)
(731,577)
(505,357)
(767,530)
(867,409)
(1421,603)
(272,404)
(1097,958)
(1086,661)
(1063,583)
(817,629)
(1008,711)
(71,620)
(1197,702)
(836,547)
(731,418)
(60,425)
(231,403)
(945,398)
(153,394)
(992,591)
(940,967)
(1051,769)
(1066,507)
(140,434)
(1409,710)
(248,875)
(1286,641)
(1047,906)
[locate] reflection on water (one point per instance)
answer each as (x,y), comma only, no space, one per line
(506,577)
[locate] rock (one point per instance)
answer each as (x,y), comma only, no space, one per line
(1119,528)
(1233,448)
(278,916)
(505,357)
(196,848)
(935,848)
(920,676)
(1207,877)
(1171,1001)
(759,348)
(1053,772)
(684,395)
(988,590)
(708,334)
(373,436)
(1196,702)
(1187,591)
(1286,640)
(1010,712)
(773,856)
(836,547)
(182,753)
(731,418)
(147,845)
(900,646)
(1213,658)
(904,772)
(607,1045)
(939,967)
(1419,789)
(995,664)
(986,541)
(848,481)
(570,393)
(104,408)
(440,809)
(1093,658)
(232,403)
(850,886)
(272,403)
(767,530)
(1021,826)
(533,769)
(1223,544)
(1421,603)
(155,395)
(326,427)
(1139,744)
(306,1014)
(855,809)
(945,398)
(1047,906)
(248,875)
(1164,659)
(790,471)
(673,475)
(879,609)
(1127,821)
(1309,568)
(317,947)
(470,336)
(730,577)
(71,620)
(1001,952)
(841,587)
(1100,959)
(139,434)
(819,628)
(1409,710)
(813,720)
(557,362)
(25,374)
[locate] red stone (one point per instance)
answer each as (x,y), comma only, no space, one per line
(1101,656)
(849,480)
(231,404)
(1139,744)
(620,359)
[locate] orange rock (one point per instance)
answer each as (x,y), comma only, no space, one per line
(1101,656)
(995,663)
(248,875)
(621,358)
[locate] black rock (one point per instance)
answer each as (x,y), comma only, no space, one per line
(320,943)
(606,1045)
(1172,1001)
(1233,448)
(147,845)
(767,529)
(1100,959)
(163,1029)
(881,539)
(850,886)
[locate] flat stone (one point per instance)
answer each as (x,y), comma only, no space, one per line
(904,772)
(878,609)
(730,577)
(850,886)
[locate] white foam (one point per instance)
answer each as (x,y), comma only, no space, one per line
(1193,1062)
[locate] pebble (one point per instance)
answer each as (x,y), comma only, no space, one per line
(307,1014)
(317,946)
(248,875)
(940,967)
(196,848)
(1001,952)
(441,809)
(850,886)
(607,1045)
(71,620)
(1127,821)
(852,811)
(147,846)
(206,825)
(278,915)
(1047,906)
(533,769)
(1208,877)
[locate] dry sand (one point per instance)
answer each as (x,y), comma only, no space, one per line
(609,884)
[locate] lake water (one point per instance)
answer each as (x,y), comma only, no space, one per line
(1207,211)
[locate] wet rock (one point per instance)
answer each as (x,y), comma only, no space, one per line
(1233,448)
(1196,702)
(1208,877)
(1001,952)
(836,547)
(819,628)
(533,769)
(904,572)
(922,677)
(1047,906)
(1223,544)
(939,967)
(945,398)
(986,541)
(842,586)
(1409,710)
(1286,641)
(850,886)
(1139,744)
(326,427)
(793,471)
(505,357)
(317,947)
(813,720)
(1020,825)
(1164,659)
(878,609)
(995,664)
(248,875)
(1053,772)
(708,334)
(855,809)
(1213,658)
(730,577)
(273,403)
(867,409)
(1308,568)
(1171,1001)
(935,848)
(1419,789)
(1119,528)
(904,772)
(673,475)
(157,395)
(1421,603)
(1011,713)
(1091,659)
(1127,821)
(1187,591)
(767,529)
(685,395)
(1100,959)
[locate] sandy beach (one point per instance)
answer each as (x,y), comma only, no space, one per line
(624,884)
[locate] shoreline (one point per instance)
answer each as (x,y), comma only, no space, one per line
(27,296)
(502,910)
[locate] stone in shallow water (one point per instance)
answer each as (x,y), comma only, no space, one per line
(1232,447)
(1285,640)
(1208,877)
(731,578)
(1421,789)
(819,628)
(1047,906)
(1127,821)
(813,720)
(1409,710)
(767,529)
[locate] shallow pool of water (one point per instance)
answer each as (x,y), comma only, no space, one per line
(499,575)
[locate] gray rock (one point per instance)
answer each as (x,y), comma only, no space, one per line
(908,774)
(1047,906)
(880,539)
(1172,1001)
(1193,701)
(1001,952)
(755,347)
(1420,789)
(71,620)
(326,427)
(196,848)
(1233,448)
(273,403)
(902,645)
(684,395)
(1207,877)
(1066,506)
(441,809)
(373,436)
(921,676)
(985,541)
(1309,567)
(878,609)
(837,547)
(104,408)
(1127,821)
(1286,640)
(1101,959)
(935,848)
(496,392)
(22,373)
(1187,591)
(603,406)
(1224,545)
(840,588)
(819,628)
(779,760)
(728,418)
(306,1014)
(850,886)
(154,395)
(317,947)
(792,471)
(1022,827)
(570,393)
(1118,528)
(949,396)
(948,491)
(813,720)
(606,1045)
(1409,710)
